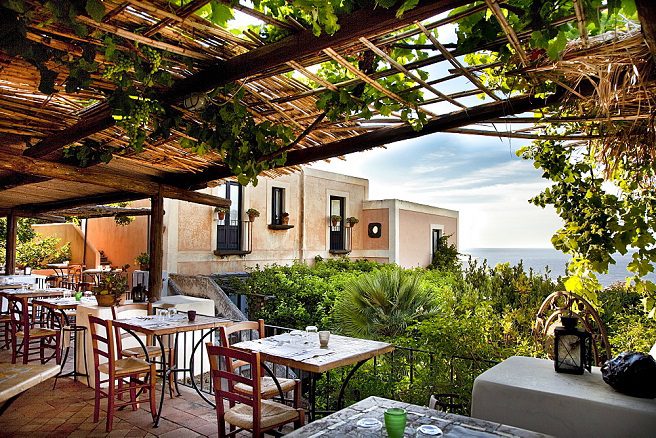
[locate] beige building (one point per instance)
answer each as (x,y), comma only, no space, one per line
(196,241)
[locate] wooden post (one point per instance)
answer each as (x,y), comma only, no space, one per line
(156,246)
(10,259)
(647,16)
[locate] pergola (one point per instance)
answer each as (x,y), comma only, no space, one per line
(280,85)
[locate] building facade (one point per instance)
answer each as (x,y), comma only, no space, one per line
(198,241)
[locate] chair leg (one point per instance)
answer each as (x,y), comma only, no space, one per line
(119,394)
(14,348)
(133,392)
(110,406)
(96,404)
(151,392)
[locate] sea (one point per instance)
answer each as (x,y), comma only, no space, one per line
(547,260)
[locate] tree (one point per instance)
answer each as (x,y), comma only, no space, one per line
(445,257)
(383,303)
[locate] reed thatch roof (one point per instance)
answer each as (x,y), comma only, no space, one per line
(280,86)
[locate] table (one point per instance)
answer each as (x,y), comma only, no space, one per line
(158,327)
(23,296)
(59,270)
(527,392)
(307,356)
(61,305)
(16,379)
(344,423)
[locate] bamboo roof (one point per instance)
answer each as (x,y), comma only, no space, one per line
(279,85)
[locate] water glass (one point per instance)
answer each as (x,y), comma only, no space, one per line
(295,337)
(369,427)
(428,431)
(162,313)
(68,293)
(324,336)
(172,312)
(310,331)
(395,419)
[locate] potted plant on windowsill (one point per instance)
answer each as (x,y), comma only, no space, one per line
(143,260)
(285,218)
(252,214)
(335,219)
(351,221)
(220,212)
(111,288)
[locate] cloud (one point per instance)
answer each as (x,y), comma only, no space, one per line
(479,176)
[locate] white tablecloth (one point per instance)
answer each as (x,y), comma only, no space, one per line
(526,392)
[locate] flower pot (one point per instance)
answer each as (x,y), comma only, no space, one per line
(251,218)
(334,222)
(105,300)
(220,215)
(144,267)
(285,220)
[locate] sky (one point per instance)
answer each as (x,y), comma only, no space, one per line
(481,177)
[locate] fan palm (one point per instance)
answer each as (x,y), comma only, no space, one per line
(382,303)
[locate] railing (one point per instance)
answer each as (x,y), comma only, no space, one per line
(406,374)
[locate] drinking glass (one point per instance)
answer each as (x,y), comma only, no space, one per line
(428,431)
(295,337)
(68,293)
(324,336)
(369,427)
(172,312)
(395,419)
(162,313)
(310,331)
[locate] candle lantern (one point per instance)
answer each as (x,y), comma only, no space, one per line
(573,347)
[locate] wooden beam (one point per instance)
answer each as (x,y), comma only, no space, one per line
(105,177)
(32,209)
(380,137)
(10,255)
(647,15)
(156,246)
(19,179)
(362,23)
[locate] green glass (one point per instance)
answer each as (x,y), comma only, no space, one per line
(78,296)
(395,419)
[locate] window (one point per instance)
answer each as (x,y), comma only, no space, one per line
(229,230)
(277,205)
(337,205)
(436,236)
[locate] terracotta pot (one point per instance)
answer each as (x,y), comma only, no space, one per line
(105,300)
(221,215)
(334,222)
(144,267)
(285,220)
(251,218)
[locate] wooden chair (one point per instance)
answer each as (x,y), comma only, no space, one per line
(118,369)
(267,385)
(40,338)
(246,411)
(154,351)
(74,279)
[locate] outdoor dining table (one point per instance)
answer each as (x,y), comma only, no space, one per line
(304,353)
(59,270)
(159,327)
(23,296)
(344,423)
(16,379)
(61,305)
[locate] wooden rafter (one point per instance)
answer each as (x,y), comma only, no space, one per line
(363,77)
(510,33)
(580,20)
(456,64)
(408,73)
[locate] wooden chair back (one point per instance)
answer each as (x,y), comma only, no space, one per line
(126,311)
(254,399)
(240,328)
(102,344)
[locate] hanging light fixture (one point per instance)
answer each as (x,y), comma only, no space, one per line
(195,101)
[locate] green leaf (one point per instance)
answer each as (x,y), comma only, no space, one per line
(95,9)
(221,13)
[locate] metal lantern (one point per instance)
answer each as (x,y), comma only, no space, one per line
(195,101)
(572,347)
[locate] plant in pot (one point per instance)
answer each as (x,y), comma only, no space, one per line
(335,219)
(143,260)
(111,288)
(351,221)
(220,212)
(285,218)
(252,214)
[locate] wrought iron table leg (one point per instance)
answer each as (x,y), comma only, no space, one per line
(191,367)
(165,375)
(275,379)
(340,398)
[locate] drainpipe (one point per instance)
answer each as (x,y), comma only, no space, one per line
(84,250)
(301,228)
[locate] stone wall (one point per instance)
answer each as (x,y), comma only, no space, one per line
(202,286)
